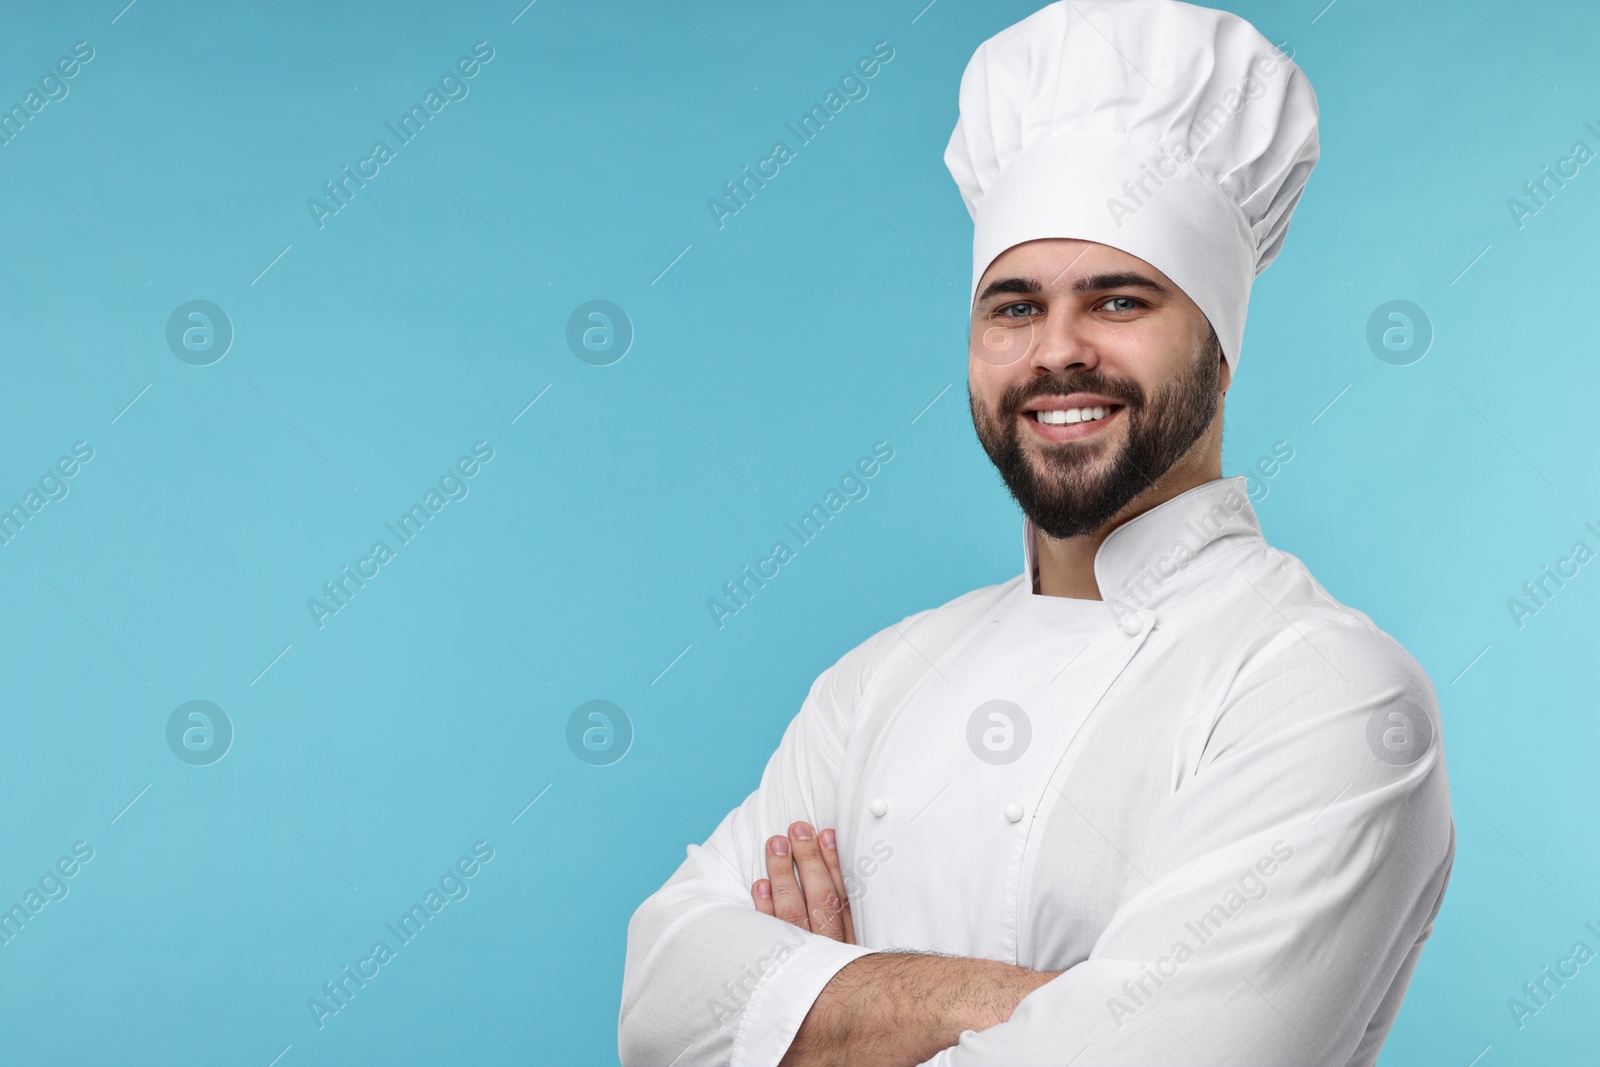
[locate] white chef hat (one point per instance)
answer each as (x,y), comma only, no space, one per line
(1173,132)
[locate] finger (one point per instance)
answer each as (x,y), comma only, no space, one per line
(788,903)
(829,839)
(824,903)
(761,893)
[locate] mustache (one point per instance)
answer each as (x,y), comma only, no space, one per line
(1123,390)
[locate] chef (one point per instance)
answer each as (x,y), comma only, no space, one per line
(1159,798)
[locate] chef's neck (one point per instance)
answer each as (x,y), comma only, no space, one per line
(1066,565)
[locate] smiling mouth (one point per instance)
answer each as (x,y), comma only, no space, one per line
(1073,416)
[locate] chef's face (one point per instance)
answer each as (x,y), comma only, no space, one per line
(1092,378)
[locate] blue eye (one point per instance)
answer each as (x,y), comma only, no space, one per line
(1008,311)
(1129,302)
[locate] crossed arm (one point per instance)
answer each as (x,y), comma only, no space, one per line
(1288,770)
(887,1009)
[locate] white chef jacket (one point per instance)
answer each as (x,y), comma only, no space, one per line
(1216,799)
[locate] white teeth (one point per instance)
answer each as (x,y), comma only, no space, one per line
(1070,416)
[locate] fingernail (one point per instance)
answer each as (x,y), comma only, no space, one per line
(764,890)
(801,831)
(779,846)
(827,839)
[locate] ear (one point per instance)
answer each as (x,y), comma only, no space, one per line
(1224,378)
(1225,371)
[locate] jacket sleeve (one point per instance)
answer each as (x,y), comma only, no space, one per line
(707,978)
(1279,900)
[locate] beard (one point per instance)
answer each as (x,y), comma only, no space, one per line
(1071,491)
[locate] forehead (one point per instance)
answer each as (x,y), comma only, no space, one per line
(1058,262)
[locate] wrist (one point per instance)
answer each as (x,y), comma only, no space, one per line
(991,993)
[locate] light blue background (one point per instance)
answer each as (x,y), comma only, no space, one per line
(826,316)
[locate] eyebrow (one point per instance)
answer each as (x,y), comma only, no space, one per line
(1019,286)
(1090,284)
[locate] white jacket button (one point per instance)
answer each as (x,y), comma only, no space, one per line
(1013,812)
(1132,625)
(879,806)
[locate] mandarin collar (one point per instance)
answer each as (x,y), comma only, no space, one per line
(1143,561)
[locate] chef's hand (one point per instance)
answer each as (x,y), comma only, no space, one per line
(817,901)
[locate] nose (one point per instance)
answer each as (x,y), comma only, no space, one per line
(1061,343)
